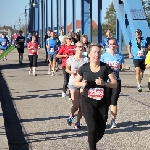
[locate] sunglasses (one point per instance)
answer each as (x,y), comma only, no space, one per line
(79,46)
(69,38)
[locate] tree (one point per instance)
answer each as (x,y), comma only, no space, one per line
(110,19)
(95,32)
(146,7)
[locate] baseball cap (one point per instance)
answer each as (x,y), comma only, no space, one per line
(138,31)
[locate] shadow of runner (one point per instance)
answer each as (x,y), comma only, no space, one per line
(14,133)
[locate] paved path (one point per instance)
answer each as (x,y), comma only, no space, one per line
(39,112)
(3,138)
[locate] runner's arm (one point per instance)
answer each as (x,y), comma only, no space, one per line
(113,81)
(68,69)
(78,81)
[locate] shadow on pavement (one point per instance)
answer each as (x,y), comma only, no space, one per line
(43,119)
(58,134)
(14,130)
(25,97)
(18,66)
(129,127)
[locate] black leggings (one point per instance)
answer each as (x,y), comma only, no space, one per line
(33,60)
(66,79)
(96,114)
(46,53)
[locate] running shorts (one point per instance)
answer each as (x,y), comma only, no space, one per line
(139,63)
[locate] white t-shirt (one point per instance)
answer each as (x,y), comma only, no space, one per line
(61,38)
(75,64)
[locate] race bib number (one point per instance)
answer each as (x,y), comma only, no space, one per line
(140,53)
(52,50)
(114,65)
(96,93)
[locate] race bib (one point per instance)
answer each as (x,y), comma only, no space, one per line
(33,50)
(96,93)
(52,50)
(114,65)
(140,53)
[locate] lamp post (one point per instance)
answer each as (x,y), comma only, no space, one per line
(25,14)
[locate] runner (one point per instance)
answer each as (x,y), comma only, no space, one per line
(65,51)
(72,65)
(137,51)
(20,46)
(61,37)
(147,60)
(52,50)
(33,55)
(94,102)
(3,45)
(116,61)
(105,40)
(84,40)
(48,35)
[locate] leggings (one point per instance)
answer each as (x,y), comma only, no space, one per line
(96,114)
(66,79)
(33,60)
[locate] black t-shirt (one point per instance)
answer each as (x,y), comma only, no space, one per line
(90,76)
(20,42)
(46,37)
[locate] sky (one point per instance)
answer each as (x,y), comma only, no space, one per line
(11,10)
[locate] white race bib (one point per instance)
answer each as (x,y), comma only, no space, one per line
(96,93)
(140,53)
(52,50)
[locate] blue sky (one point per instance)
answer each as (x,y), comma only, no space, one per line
(13,9)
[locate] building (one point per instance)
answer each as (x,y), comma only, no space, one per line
(78,26)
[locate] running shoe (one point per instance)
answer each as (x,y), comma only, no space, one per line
(113,124)
(139,89)
(56,69)
(34,74)
(69,120)
(49,72)
(63,94)
(30,72)
(70,99)
(52,73)
(77,125)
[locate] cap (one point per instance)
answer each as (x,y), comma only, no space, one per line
(139,31)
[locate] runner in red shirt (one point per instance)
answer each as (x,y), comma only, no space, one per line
(65,51)
(33,55)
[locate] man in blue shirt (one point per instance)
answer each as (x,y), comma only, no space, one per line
(3,45)
(52,50)
(137,51)
(105,40)
(116,61)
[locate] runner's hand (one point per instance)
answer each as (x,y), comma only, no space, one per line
(66,56)
(99,81)
(84,83)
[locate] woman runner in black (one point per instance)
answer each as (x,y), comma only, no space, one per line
(94,101)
